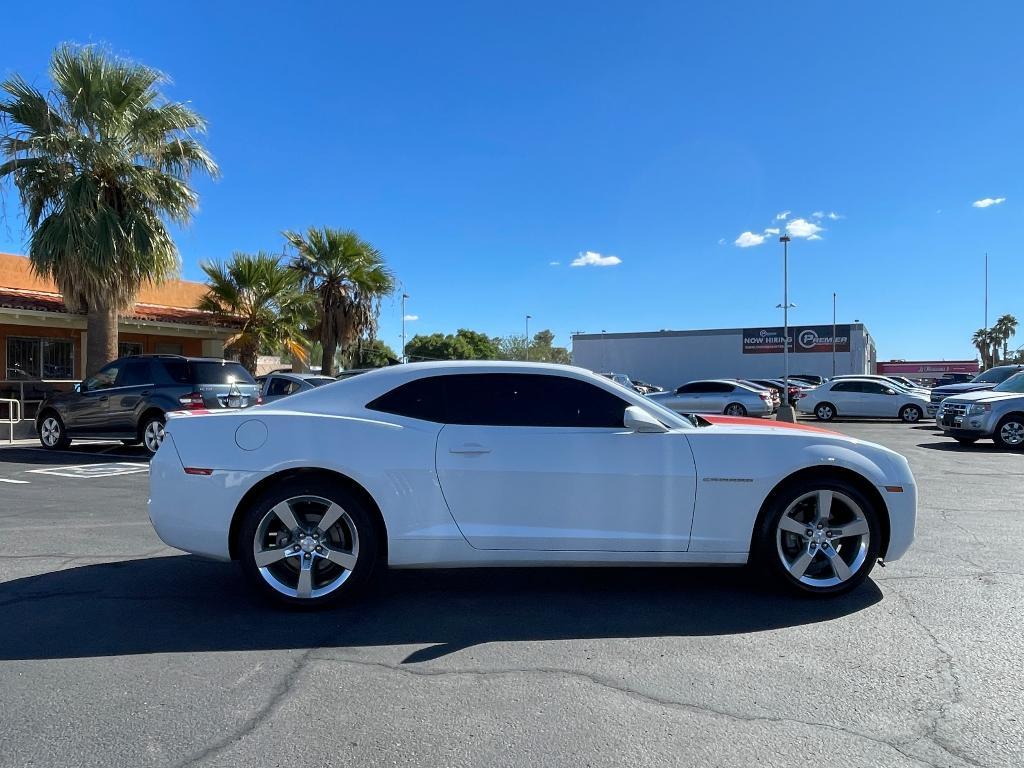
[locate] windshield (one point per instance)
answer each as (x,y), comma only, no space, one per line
(320,381)
(667,415)
(1013,384)
(995,375)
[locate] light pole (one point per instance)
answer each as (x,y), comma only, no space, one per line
(786,412)
(404,297)
(527,353)
(833,334)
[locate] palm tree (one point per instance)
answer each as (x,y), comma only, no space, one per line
(349,278)
(982,342)
(1006,327)
(265,298)
(101,164)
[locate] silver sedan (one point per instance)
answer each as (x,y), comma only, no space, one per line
(716,396)
(274,386)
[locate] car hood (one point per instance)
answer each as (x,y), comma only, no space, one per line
(953,389)
(985,395)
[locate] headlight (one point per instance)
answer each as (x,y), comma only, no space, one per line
(979,408)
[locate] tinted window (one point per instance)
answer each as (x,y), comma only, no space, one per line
(279,386)
(134,373)
(419,399)
(1013,384)
(530,400)
(715,387)
(875,388)
(847,386)
(319,382)
(997,375)
(176,369)
(215,372)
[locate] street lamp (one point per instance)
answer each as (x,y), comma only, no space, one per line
(528,337)
(786,412)
(833,334)
(404,297)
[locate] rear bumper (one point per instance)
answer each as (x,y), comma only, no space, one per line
(193,512)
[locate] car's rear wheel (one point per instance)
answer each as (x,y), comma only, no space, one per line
(152,432)
(308,543)
(735,409)
(820,537)
(1010,432)
(910,414)
(52,433)
(825,412)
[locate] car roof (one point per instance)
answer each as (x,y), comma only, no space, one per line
(299,376)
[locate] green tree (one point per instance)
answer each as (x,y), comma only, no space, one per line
(373,353)
(542,349)
(349,278)
(1005,328)
(265,298)
(101,163)
(463,345)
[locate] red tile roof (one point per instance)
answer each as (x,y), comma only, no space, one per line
(39,301)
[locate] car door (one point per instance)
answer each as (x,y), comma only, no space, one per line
(717,395)
(687,398)
(134,383)
(88,413)
(845,396)
(542,462)
(879,400)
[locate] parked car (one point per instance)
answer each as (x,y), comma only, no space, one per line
(996,413)
(274,386)
(129,399)
(716,396)
(644,388)
(863,398)
(986,380)
(352,372)
(810,378)
(510,464)
(795,391)
(954,378)
(776,394)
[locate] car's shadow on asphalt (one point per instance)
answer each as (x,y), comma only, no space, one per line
(979,447)
(90,453)
(183,604)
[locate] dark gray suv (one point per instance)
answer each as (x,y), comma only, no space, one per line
(129,398)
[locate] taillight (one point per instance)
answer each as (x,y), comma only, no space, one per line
(259,399)
(192,400)
(198,471)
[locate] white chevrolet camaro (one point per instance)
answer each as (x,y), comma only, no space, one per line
(468,464)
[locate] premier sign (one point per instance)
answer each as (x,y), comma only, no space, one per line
(802,338)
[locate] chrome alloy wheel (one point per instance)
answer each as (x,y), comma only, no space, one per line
(153,435)
(822,538)
(824,412)
(306,547)
(49,432)
(735,409)
(1012,433)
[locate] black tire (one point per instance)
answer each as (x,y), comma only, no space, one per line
(152,423)
(735,409)
(911,414)
(824,411)
(770,546)
(967,440)
(1008,427)
(367,542)
(53,435)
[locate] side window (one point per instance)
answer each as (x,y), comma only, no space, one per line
(105,378)
(720,387)
(278,387)
(135,373)
(846,386)
(419,399)
(530,400)
(686,388)
(176,370)
(873,387)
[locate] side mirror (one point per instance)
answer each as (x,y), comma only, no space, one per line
(890,391)
(637,419)
(78,387)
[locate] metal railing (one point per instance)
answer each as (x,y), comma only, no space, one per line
(30,392)
(13,408)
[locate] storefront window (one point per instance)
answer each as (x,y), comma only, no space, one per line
(129,348)
(40,359)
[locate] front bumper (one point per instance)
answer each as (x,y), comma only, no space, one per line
(965,425)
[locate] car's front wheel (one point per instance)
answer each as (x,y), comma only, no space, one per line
(52,433)
(308,543)
(1010,432)
(820,537)
(152,432)
(911,414)
(825,412)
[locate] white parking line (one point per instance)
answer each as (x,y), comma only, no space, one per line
(14,482)
(87,471)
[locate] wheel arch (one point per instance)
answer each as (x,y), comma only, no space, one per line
(309,473)
(861,483)
(150,411)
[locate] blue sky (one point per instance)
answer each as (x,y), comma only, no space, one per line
(478,143)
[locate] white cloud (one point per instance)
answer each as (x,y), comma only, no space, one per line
(748,239)
(772,231)
(814,237)
(782,215)
(554,263)
(803,228)
(410,318)
(835,216)
(592,259)
(987,201)
(818,215)
(721,241)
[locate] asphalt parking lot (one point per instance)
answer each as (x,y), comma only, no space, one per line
(117,651)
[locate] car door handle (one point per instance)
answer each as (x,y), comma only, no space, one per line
(144,393)
(469,448)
